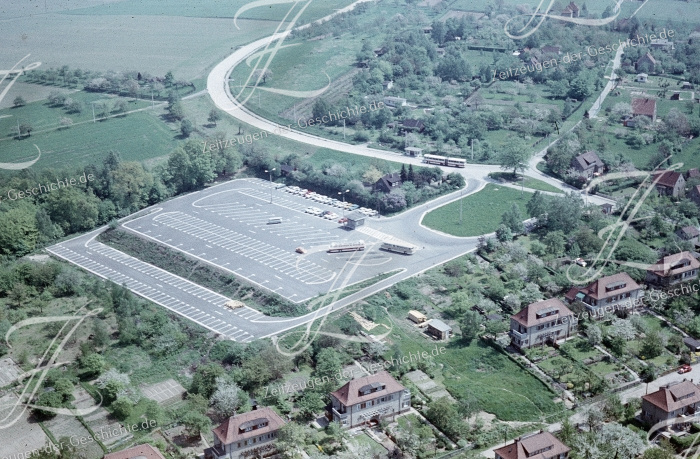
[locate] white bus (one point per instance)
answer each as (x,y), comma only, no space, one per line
(456,162)
(398,248)
(346,246)
(434,159)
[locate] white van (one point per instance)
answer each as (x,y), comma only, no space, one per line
(274,220)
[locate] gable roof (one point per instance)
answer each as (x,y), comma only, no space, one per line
(551,49)
(599,289)
(644,107)
(389,180)
(588,159)
(689,232)
(526,447)
(439,325)
(571,8)
(692,173)
(667,178)
(139,451)
(541,311)
(230,430)
(414,124)
(674,396)
(671,264)
(648,56)
(349,394)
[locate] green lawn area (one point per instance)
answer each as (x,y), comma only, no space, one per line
(136,136)
(580,350)
(481,213)
(530,182)
(369,446)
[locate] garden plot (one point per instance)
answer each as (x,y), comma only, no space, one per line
(99,420)
(70,427)
(163,391)
(21,436)
(9,372)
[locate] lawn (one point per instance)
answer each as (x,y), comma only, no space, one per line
(369,446)
(481,212)
(530,182)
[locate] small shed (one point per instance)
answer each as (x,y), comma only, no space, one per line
(417,316)
(692,343)
(606,208)
(413,151)
(642,78)
(355,219)
(439,329)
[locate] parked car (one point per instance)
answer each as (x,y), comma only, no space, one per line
(300,250)
(353,207)
(685,369)
(580,262)
(343,220)
(330,216)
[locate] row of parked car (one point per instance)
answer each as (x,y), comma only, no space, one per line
(312,195)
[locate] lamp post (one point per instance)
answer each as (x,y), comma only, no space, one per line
(461,194)
(343,193)
(270,172)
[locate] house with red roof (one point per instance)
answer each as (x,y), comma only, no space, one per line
(669,183)
(137,452)
(671,402)
(367,400)
(607,294)
(245,435)
(644,107)
(571,10)
(673,269)
(540,445)
(540,322)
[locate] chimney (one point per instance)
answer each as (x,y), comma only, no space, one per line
(254,403)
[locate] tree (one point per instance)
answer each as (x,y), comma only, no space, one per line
(263,74)
(613,407)
(214,116)
(320,108)
(19,101)
(176,111)
(503,233)
(555,242)
(195,423)
(443,414)
(186,128)
(227,398)
(19,294)
(204,380)
(169,78)
(470,325)
(290,439)
(403,174)
(411,176)
(619,442)
(652,345)
(595,335)
(25,129)
(514,155)
(310,403)
(122,408)
(49,400)
(513,219)
(65,122)
(93,364)
(663,451)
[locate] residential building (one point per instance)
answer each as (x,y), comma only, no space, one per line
(550,50)
(540,445)
(663,44)
(286,169)
(687,85)
(439,329)
(607,294)
(692,173)
(587,164)
(644,107)
(692,343)
(540,322)
(673,269)
(391,101)
(642,78)
(412,125)
(689,233)
(673,401)
(388,182)
(417,316)
(137,452)
(646,64)
(571,10)
(367,400)
(694,195)
(245,435)
(669,183)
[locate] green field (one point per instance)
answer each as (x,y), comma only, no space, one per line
(136,136)
(530,182)
(481,212)
(214,9)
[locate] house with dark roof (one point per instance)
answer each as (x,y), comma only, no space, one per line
(391,101)
(646,63)
(286,169)
(540,445)
(688,233)
(550,50)
(388,182)
(673,269)
(606,208)
(669,183)
(137,452)
(571,10)
(587,164)
(692,343)
(694,195)
(541,322)
(644,107)
(245,435)
(663,44)
(673,401)
(607,294)
(692,173)
(364,401)
(412,125)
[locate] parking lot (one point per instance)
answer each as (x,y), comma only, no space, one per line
(230,227)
